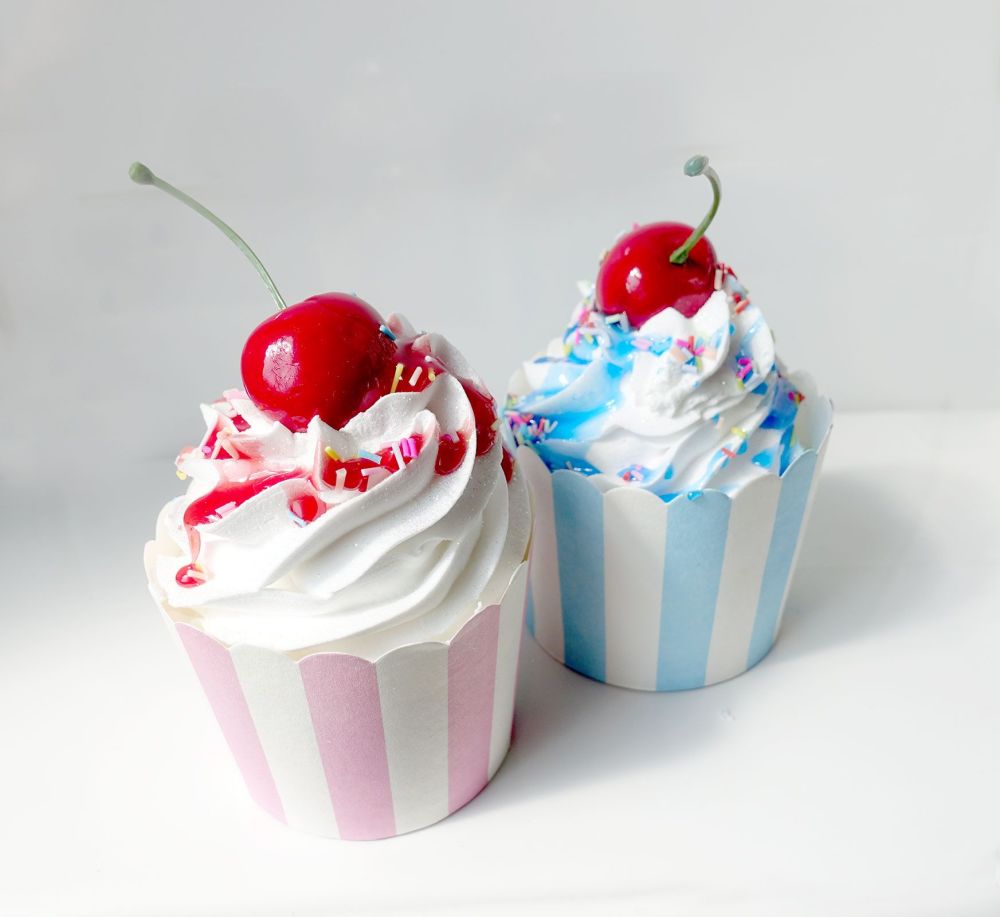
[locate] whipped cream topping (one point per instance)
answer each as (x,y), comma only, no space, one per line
(675,406)
(390,529)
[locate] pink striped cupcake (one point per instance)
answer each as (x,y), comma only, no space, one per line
(346,571)
(352,600)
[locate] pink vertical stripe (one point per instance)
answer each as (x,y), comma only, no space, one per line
(472,664)
(221,684)
(343,699)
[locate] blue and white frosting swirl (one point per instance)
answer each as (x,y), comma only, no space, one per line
(676,406)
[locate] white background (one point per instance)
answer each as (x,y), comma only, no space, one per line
(466,164)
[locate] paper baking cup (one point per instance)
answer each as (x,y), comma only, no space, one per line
(632,591)
(341,746)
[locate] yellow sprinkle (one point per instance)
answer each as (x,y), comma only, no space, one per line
(431,375)
(181,475)
(331,453)
(396,376)
(740,432)
(567,348)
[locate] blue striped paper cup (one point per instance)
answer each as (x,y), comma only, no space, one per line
(635,592)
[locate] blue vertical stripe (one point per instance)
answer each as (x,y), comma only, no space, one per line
(529,614)
(795,485)
(579,517)
(696,544)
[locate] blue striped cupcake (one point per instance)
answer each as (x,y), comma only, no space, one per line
(672,462)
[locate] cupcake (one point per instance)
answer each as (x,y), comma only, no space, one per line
(346,570)
(672,461)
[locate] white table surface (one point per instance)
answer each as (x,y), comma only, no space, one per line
(855,771)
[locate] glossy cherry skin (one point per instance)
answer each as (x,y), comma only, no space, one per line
(321,356)
(637,278)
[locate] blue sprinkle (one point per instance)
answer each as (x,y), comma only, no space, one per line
(694,494)
(385,330)
(764,459)
(371,456)
(298,520)
(760,390)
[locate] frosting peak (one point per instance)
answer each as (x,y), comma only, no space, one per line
(674,406)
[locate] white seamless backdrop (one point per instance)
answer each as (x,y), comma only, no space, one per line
(466,163)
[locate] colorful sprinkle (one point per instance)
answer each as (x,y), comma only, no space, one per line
(396,376)
(331,454)
(387,332)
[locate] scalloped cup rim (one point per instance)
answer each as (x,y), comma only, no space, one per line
(818,429)
(299,656)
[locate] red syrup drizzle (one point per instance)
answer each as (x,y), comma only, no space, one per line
(355,478)
(206,509)
(411,359)
(507,464)
(451,450)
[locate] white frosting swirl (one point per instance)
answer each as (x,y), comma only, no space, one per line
(408,559)
(675,406)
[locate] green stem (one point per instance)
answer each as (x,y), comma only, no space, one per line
(698,165)
(143,175)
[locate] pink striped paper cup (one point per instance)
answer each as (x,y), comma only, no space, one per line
(342,746)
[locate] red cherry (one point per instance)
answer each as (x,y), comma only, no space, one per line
(320,357)
(637,277)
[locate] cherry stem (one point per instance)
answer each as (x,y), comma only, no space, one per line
(143,175)
(698,165)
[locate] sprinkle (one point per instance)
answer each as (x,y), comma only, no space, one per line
(416,375)
(226,508)
(370,471)
(224,443)
(409,447)
(181,475)
(396,376)
(341,479)
(728,453)
(385,330)
(371,456)
(331,453)
(694,494)
(739,431)
(431,375)
(495,425)
(718,279)
(398,453)
(296,518)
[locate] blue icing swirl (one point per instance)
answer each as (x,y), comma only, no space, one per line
(675,407)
